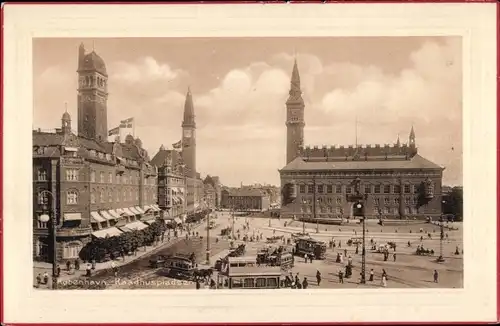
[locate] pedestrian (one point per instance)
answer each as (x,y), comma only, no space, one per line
(341,277)
(198,285)
(371,275)
(311,258)
(394,247)
(93,264)
(38,280)
(89,270)
(340,244)
(305,284)
(305,258)
(345,252)
(77,264)
(384,281)
(297,280)
(436,275)
(349,261)
(45,278)
(58,270)
(68,265)
(318,277)
(394,256)
(114,268)
(357,250)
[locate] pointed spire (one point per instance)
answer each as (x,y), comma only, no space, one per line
(412,132)
(295,75)
(189,120)
(295,92)
(398,143)
(162,148)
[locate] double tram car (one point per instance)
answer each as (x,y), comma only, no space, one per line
(310,246)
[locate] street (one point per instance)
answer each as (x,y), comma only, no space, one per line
(408,271)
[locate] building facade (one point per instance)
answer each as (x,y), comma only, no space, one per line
(90,186)
(210,195)
(242,199)
(171,184)
(316,182)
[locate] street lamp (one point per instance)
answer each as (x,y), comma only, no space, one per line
(359,212)
(441,236)
(303,219)
(208,237)
(44,218)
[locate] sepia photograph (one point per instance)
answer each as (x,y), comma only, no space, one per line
(256,163)
(303,163)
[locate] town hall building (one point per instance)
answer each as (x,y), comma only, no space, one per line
(396,180)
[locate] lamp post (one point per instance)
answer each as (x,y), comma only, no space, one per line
(314,203)
(53,232)
(363,251)
(303,220)
(441,236)
(208,239)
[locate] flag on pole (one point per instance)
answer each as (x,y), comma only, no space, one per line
(177,145)
(127,123)
(114,131)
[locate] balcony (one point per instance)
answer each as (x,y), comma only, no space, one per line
(73,232)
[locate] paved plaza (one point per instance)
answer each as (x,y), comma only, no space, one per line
(407,271)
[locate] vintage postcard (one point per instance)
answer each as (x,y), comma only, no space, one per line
(232,159)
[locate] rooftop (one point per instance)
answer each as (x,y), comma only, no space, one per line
(415,162)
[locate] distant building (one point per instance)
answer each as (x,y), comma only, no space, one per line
(210,196)
(245,199)
(214,181)
(92,187)
(315,182)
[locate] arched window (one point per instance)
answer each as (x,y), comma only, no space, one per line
(102,197)
(92,196)
(72,197)
(43,197)
(110,196)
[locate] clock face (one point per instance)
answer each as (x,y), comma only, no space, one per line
(188,133)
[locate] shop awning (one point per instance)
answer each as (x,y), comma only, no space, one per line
(127,212)
(156,208)
(135,211)
(124,229)
(114,213)
(72,216)
(137,225)
(150,221)
(177,220)
(139,209)
(106,215)
(109,232)
(148,208)
(96,218)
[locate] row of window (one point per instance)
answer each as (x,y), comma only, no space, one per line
(72,197)
(368,189)
(73,175)
(376,201)
(376,210)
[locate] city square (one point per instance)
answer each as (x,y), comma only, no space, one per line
(112,212)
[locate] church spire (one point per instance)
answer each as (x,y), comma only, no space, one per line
(295,91)
(398,143)
(189,120)
(412,137)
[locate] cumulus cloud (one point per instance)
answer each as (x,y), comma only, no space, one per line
(241,118)
(145,69)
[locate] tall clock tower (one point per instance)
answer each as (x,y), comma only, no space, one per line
(189,135)
(294,117)
(92,96)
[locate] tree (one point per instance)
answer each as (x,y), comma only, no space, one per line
(453,203)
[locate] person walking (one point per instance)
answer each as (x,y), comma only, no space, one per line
(371,275)
(305,258)
(436,275)
(68,265)
(77,264)
(394,257)
(58,270)
(318,277)
(384,281)
(345,252)
(45,278)
(341,277)
(38,280)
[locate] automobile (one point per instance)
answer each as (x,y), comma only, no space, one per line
(158,261)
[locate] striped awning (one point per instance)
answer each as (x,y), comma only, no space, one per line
(109,232)
(106,215)
(149,221)
(139,209)
(135,211)
(96,218)
(128,212)
(72,216)
(114,213)
(137,225)
(148,208)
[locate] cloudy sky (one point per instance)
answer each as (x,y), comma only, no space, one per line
(240,87)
